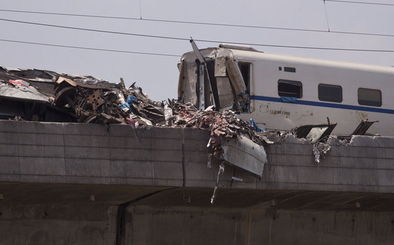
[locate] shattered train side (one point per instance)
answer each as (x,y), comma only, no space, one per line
(213,77)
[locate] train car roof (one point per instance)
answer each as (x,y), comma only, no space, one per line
(250,54)
(253,55)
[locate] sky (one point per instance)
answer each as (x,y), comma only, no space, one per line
(158,75)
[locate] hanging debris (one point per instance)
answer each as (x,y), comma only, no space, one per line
(229,136)
(319,150)
(215,189)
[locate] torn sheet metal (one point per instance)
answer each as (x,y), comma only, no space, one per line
(107,103)
(236,79)
(314,133)
(363,127)
(188,82)
(225,93)
(86,82)
(75,98)
(245,154)
(226,85)
(21,90)
(220,67)
(205,87)
(197,51)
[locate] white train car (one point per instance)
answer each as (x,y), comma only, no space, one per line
(283,92)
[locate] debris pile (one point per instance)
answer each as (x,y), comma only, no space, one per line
(321,148)
(220,124)
(87,99)
(50,96)
(91,101)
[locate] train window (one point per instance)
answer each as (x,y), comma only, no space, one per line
(328,92)
(371,97)
(290,69)
(244,67)
(289,88)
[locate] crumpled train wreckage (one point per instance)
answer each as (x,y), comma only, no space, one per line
(41,95)
(49,96)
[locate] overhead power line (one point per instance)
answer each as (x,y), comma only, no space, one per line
(160,20)
(361,2)
(198,23)
(187,39)
(132,52)
(92,29)
(87,48)
(69,14)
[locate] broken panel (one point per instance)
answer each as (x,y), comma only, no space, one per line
(245,154)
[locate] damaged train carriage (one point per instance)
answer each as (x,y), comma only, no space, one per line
(219,79)
(283,92)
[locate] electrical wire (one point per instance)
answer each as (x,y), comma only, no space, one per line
(361,2)
(198,23)
(87,48)
(93,30)
(187,39)
(160,20)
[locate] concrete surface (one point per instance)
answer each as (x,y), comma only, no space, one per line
(94,184)
(257,226)
(61,224)
(33,152)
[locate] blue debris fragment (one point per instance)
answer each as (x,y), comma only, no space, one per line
(131,99)
(255,127)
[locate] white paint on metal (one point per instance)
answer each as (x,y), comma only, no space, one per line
(245,154)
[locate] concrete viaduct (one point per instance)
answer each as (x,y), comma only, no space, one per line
(63,183)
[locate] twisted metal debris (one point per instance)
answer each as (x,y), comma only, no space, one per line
(107,103)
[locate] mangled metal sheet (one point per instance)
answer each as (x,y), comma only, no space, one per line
(363,127)
(314,133)
(188,83)
(77,98)
(107,103)
(236,79)
(21,90)
(225,93)
(227,84)
(220,66)
(245,154)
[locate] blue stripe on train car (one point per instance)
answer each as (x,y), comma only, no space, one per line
(323,104)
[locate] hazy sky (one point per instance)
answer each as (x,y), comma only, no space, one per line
(158,75)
